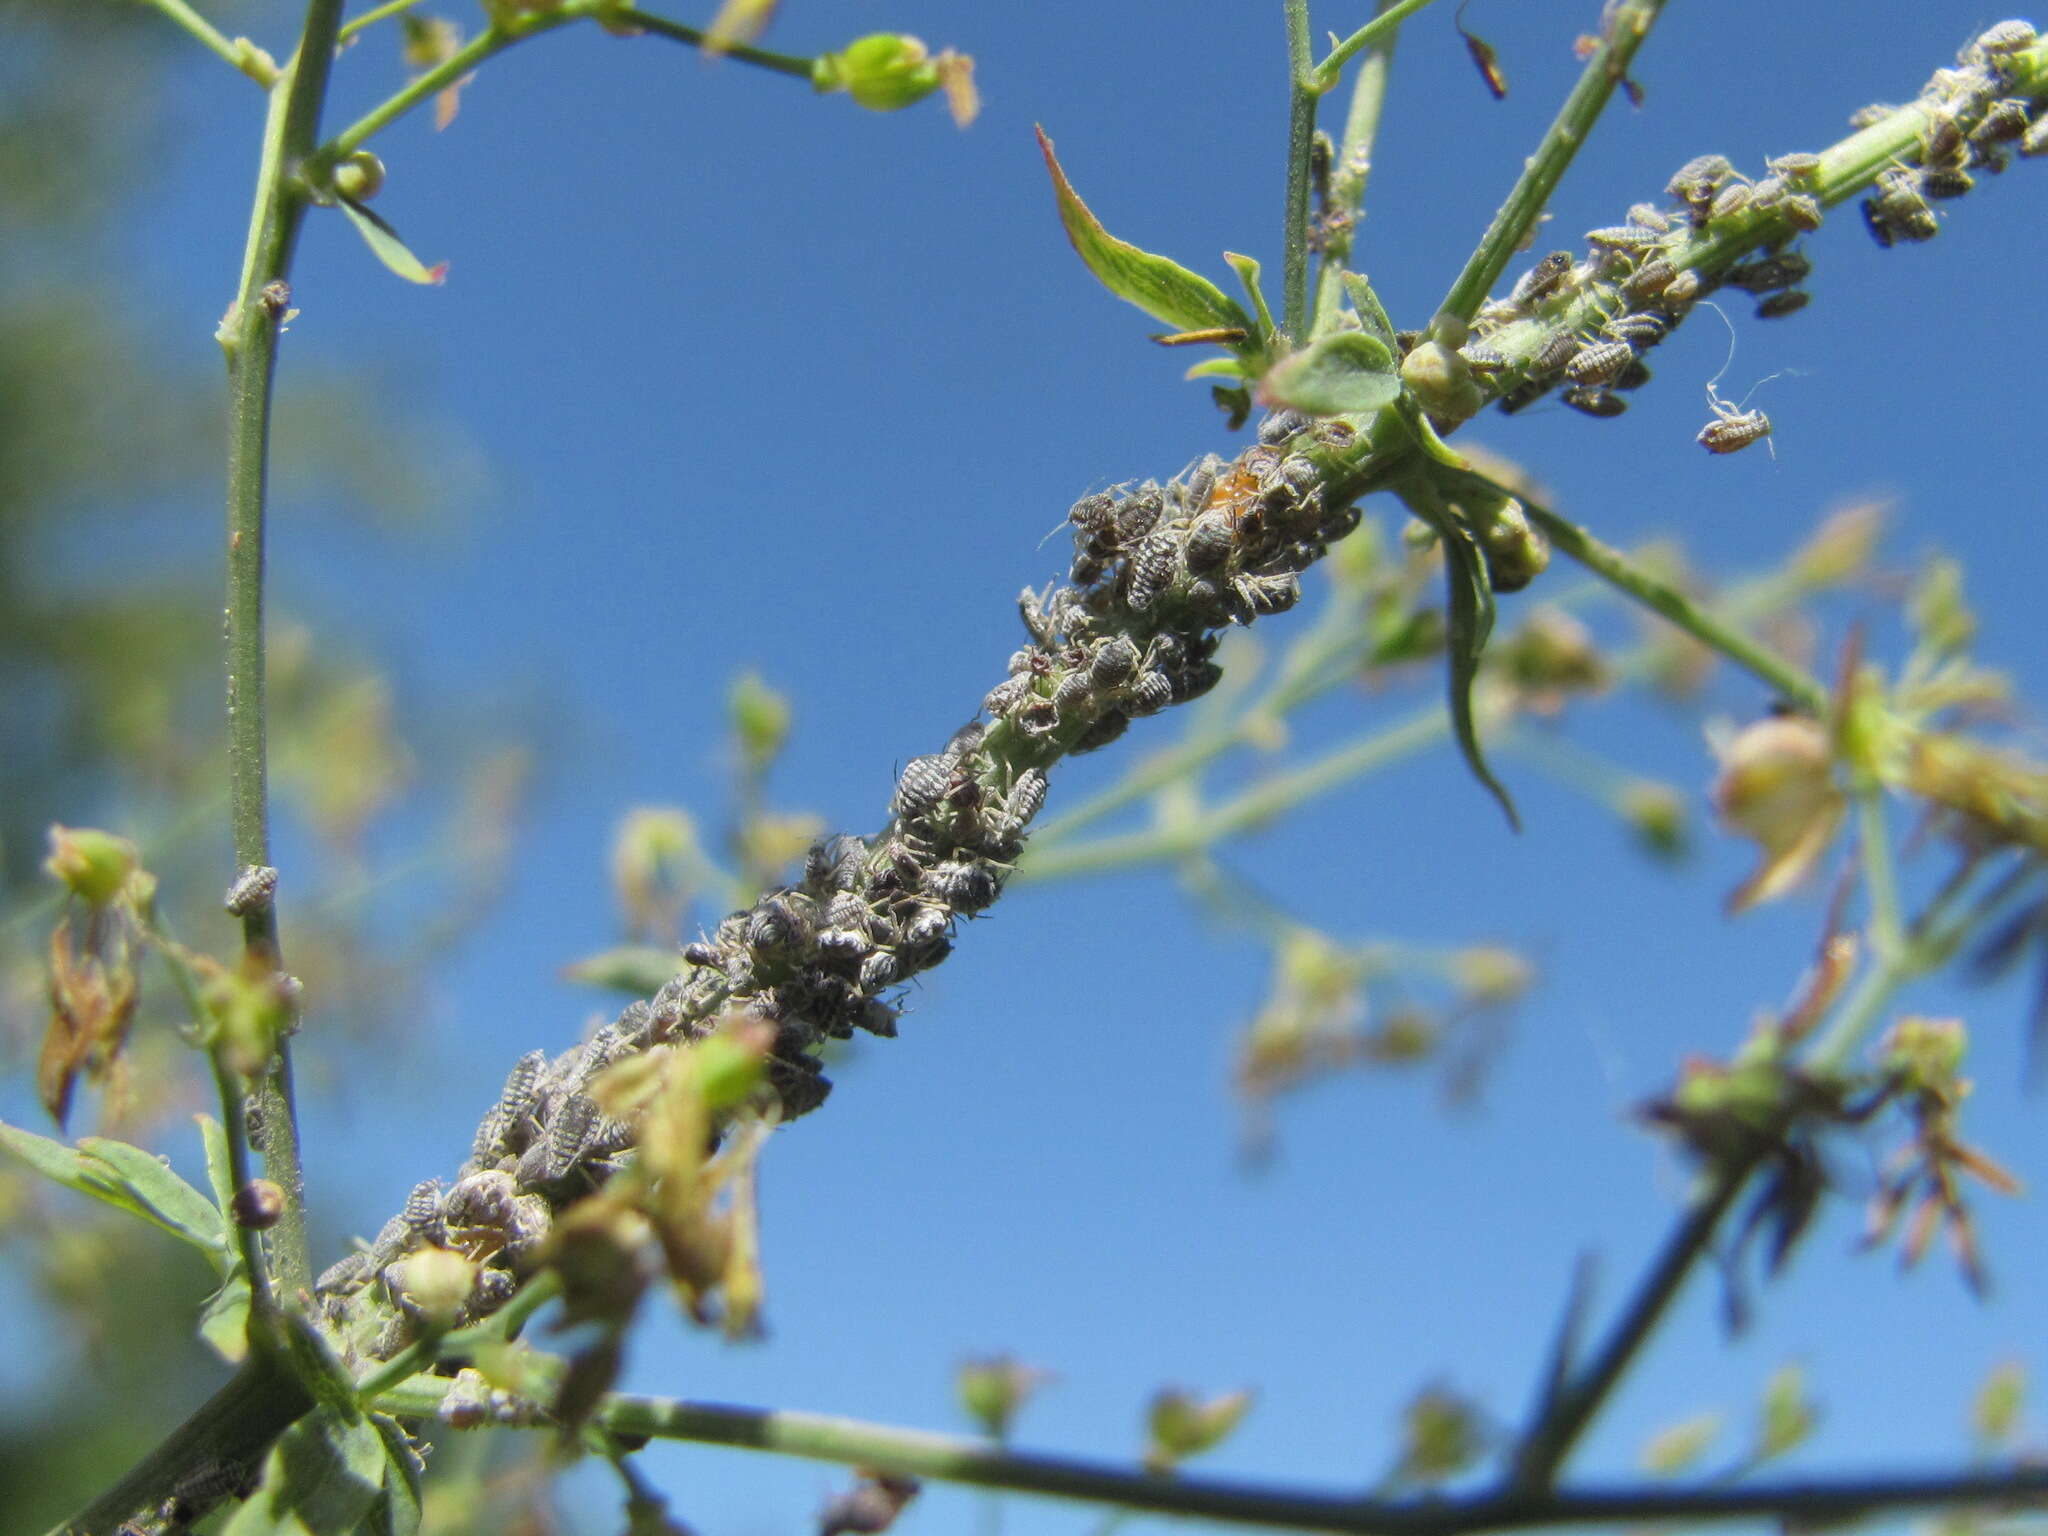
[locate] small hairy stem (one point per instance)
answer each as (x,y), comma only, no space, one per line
(243,57)
(761,58)
(1561,1420)
(1352,163)
(1887,918)
(1627,25)
(230,1429)
(1613,566)
(370,18)
(1302,97)
(1380,29)
(981,1463)
(249,337)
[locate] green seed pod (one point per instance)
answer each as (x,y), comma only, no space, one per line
(1441,382)
(884,72)
(360,177)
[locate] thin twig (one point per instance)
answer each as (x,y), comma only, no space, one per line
(242,55)
(1628,24)
(1302,97)
(1352,163)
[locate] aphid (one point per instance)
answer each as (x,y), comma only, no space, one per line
(1702,170)
(879,970)
(1093,511)
(1732,428)
(1152,567)
(1769,272)
(1149,694)
(1650,216)
(1027,795)
(1681,290)
(2007,37)
(253,890)
(1555,353)
(1641,329)
(1794,167)
(1730,200)
(1074,693)
(1523,395)
(1136,515)
(1263,594)
(998,701)
(847,944)
(923,780)
(1541,279)
(1281,425)
(1599,363)
(2003,122)
(1208,547)
(522,1086)
(927,927)
(1768,193)
(343,1274)
(1108,726)
(567,1133)
(423,1208)
(1594,401)
(1201,485)
(1870,116)
(1941,182)
(778,923)
(1788,301)
(1649,280)
(962,886)
(1803,212)
(1634,376)
(1622,237)
(1038,718)
(479,1202)
(2035,140)
(1114,662)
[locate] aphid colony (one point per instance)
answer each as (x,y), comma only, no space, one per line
(1970,127)
(1583,325)
(1157,571)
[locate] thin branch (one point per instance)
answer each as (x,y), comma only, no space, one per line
(1628,24)
(249,336)
(1565,1416)
(985,1464)
(1380,29)
(241,54)
(1352,163)
(1613,566)
(761,58)
(370,18)
(1302,97)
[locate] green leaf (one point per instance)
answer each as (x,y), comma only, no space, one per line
(398,1512)
(638,969)
(1679,1448)
(1247,271)
(324,1477)
(385,245)
(165,1198)
(1164,289)
(1372,315)
(131,1180)
(1217,368)
(219,1165)
(1349,373)
(224,1319)
(1468,625)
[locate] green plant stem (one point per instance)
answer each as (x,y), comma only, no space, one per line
(1880,876)
(231,1428)
(244,57)
(249,336)
(370,18)
(1353,164)
(1252,808)
(985,1464)
(761,58)
(1626,27)
(1545,1445)
(1302,97)
(1381,28)
(1613,566)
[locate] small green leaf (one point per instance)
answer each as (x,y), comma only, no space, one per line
(164,1198)
(1217,368)
(1162,288)
(1349,373)
(385,245)
(224,1319)
(1679,1448)
(398,1512)
(1372,315)
(1247,271)
(322,1478)
(219,1166)
(131,1180)
(638,969)
(1469,623)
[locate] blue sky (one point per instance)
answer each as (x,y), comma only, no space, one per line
(765,381)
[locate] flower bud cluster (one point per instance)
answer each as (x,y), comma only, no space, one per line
(1583,325)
